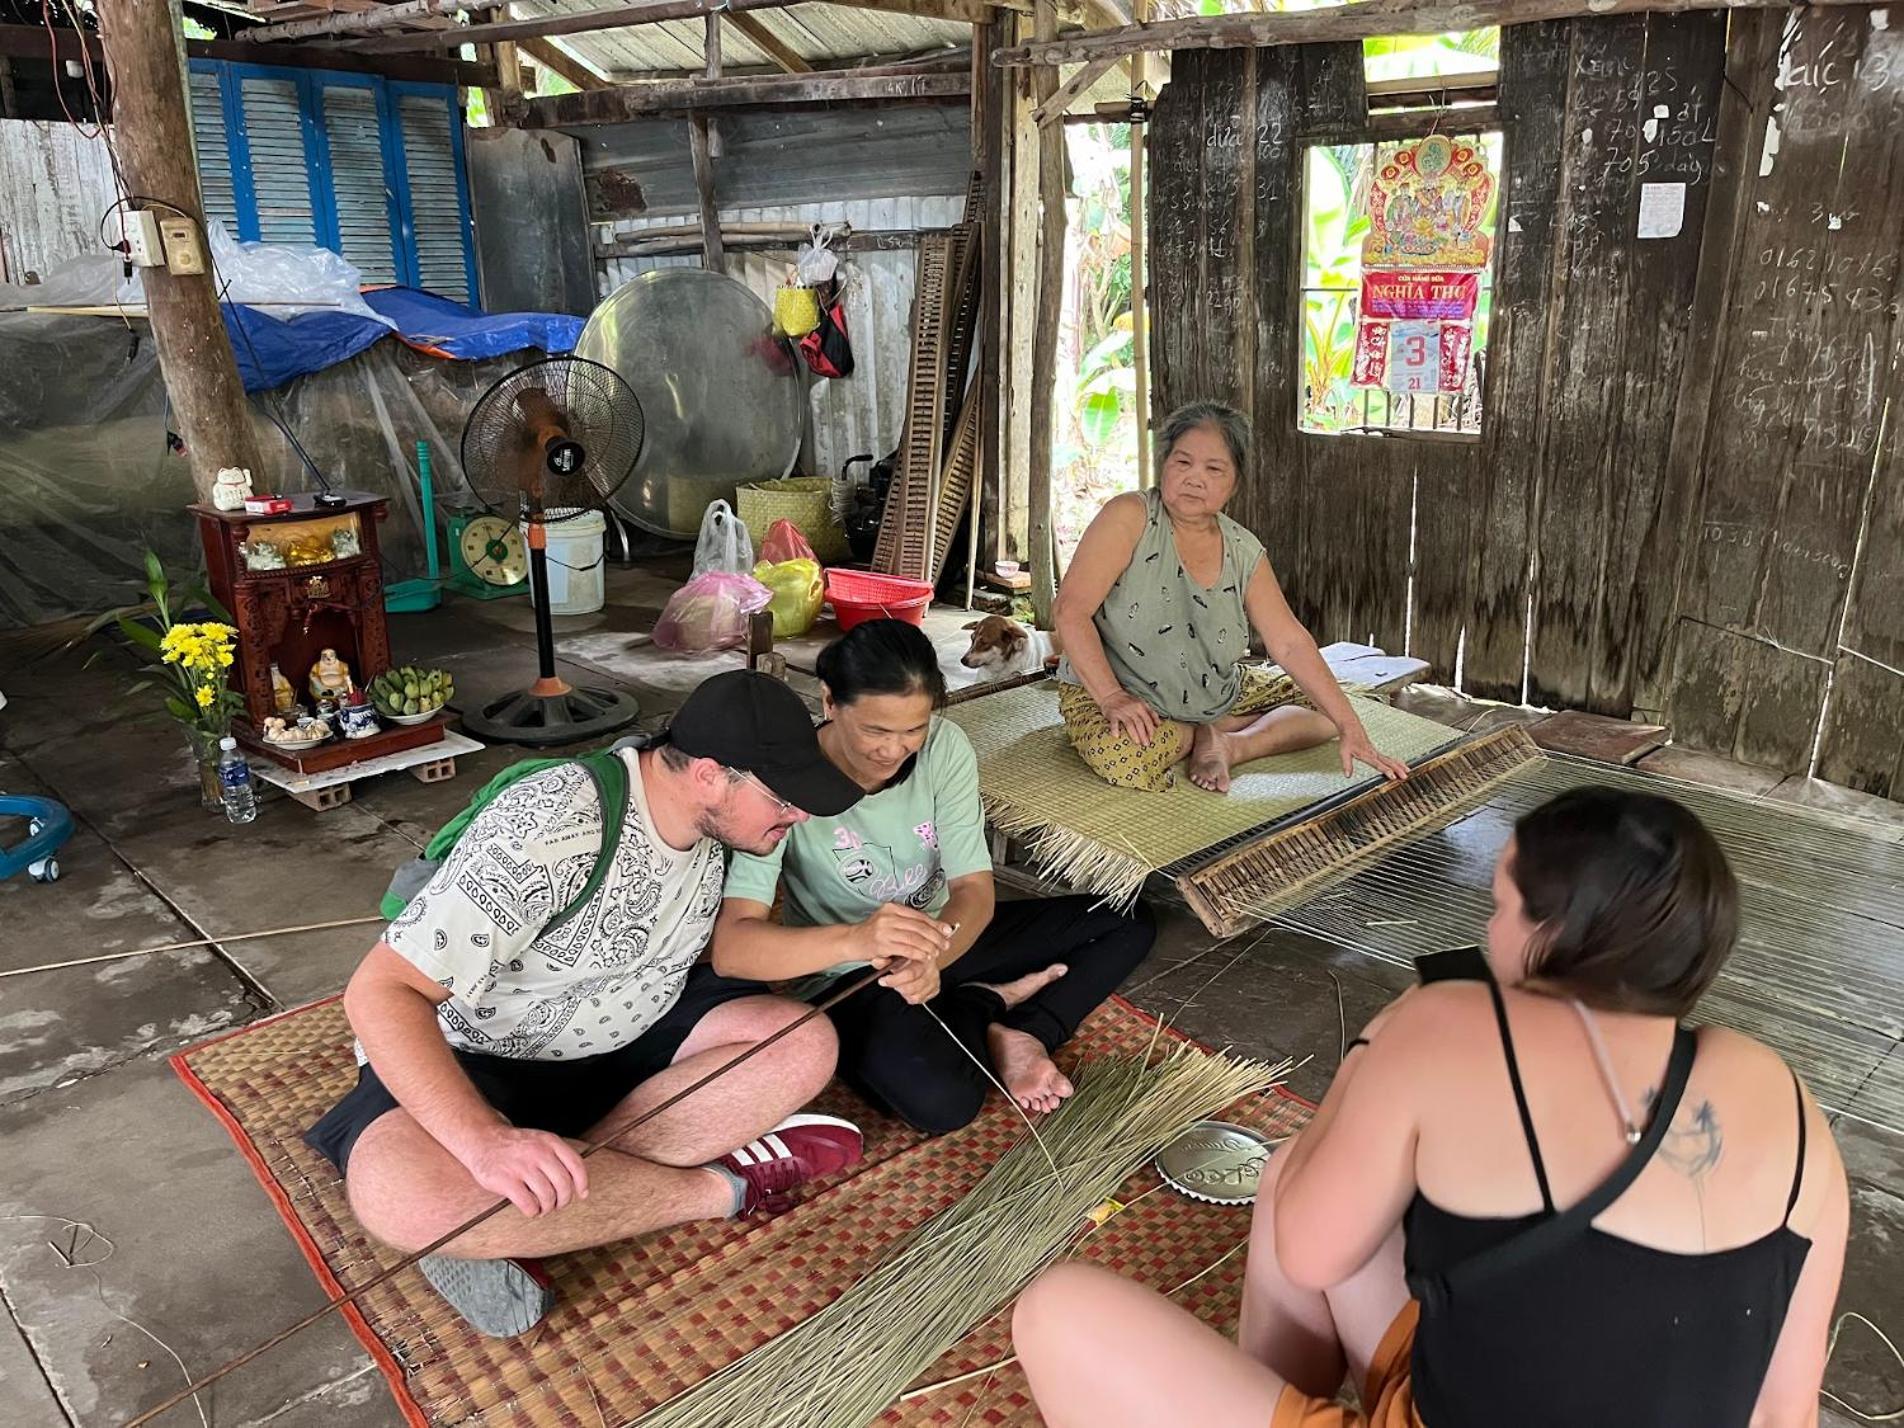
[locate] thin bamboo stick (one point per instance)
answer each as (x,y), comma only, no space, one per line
(196,942)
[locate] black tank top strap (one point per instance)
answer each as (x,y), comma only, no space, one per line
(1520,1095)
(1798,1170)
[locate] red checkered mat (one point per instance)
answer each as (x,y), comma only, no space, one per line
(638,1322)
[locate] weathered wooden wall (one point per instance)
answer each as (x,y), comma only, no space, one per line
(1793,597)
(1683,436)
(55,182)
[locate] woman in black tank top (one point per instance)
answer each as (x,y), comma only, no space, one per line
(1531,1198)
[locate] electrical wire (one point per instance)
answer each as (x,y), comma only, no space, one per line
(267,400)
(128,199)
(59,93)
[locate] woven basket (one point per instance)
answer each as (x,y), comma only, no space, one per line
(807,501)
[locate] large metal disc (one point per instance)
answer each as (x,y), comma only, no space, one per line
(725,400)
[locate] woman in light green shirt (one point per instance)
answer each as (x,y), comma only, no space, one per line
(903,880)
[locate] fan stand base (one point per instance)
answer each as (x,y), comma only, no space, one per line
(564,715)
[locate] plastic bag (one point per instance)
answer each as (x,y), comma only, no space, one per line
(710,613)
(292,277)
(796,310)
(816,263)
(785,542)
(724,543)
(797,594)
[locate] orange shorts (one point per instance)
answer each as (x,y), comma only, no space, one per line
(1388,1399)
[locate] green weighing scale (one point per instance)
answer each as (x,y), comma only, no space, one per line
(487,557)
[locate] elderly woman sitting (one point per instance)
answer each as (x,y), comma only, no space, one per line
(1155,613)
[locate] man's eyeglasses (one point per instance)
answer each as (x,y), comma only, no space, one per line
(787,810)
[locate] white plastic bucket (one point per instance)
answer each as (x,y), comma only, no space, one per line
(576,567)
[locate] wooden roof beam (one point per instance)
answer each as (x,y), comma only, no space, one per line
(1348,22)
(560,61)
(675,98)
(756,33)
(363,30)
(31,42)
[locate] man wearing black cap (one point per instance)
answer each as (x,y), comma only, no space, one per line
(508,1012)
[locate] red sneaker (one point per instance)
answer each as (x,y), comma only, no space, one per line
(799,1149)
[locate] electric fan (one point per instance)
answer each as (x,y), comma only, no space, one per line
(549,442)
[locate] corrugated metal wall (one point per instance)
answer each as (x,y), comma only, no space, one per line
(54,184)
(863,412)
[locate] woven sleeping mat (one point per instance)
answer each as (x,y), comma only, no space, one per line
(637,1323)
(1096,838)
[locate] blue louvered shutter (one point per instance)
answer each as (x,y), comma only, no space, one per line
(214,150)
(360,196)
(280,174)
(436,195)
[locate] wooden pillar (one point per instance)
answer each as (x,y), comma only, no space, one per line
(1140,243)
(503,103)
(990,86)
(1018,284)
(701,144)
(1044,341)
(508,70)
(152,140)
(711,58)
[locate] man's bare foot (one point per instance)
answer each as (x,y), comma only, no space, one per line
(1209,765)
(1027,1070)
(1023,989)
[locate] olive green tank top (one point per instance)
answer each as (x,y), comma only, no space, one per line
(1170,641)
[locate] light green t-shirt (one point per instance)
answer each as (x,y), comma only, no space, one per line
(902,844)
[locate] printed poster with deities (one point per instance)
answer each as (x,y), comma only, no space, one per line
(1421,262)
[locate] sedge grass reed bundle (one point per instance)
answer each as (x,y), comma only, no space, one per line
(849,1362)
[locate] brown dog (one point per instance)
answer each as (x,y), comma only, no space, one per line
(1004,647)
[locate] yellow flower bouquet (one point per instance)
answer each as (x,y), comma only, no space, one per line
(191,665)
(194,658)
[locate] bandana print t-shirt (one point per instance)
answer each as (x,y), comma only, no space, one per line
(902,844)
(518,988)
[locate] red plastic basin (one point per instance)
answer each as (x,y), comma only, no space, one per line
(861,595)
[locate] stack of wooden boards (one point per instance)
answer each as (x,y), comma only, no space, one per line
(938,452)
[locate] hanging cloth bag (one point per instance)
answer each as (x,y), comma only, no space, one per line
(826,349)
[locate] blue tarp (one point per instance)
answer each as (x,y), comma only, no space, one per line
(426,320)
(271,350)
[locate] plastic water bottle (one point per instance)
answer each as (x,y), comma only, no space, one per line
(234,778)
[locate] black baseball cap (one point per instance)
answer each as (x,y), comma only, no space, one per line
(753,722)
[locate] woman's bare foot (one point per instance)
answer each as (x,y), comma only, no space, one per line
(1023,989)
(1020,1058)
(1209,764)
(1027,1070)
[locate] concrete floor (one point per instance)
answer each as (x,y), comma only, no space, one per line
(184,1262)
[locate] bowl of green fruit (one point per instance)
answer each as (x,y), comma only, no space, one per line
(405,694)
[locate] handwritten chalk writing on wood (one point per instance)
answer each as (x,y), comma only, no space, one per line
(1223,133)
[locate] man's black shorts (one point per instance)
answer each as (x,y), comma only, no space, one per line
(566,1097)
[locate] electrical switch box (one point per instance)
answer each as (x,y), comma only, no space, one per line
(184,253)
(144,247)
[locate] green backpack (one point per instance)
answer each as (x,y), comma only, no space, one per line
(610,776)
